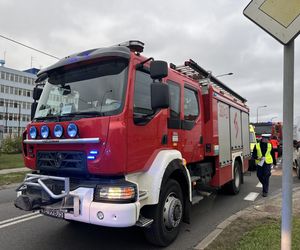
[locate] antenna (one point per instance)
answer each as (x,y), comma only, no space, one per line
(2,62)
(31,60)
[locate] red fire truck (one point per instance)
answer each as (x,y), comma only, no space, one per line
(272,128)
(118,139)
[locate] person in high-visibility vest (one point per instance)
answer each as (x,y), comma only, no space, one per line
(264,156)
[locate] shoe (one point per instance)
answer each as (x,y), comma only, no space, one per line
(264,194)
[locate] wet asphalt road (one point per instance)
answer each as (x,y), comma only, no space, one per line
(47,233)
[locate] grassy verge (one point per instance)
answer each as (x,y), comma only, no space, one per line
(6,179)
(263,234)
(11,161)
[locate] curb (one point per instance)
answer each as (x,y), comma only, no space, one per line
(13,170)
(220,227)
(13,185)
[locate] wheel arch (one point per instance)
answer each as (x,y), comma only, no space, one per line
(237,157)
(178,172)
(167,164)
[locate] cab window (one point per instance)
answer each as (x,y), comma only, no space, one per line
(174,90)
(142,93)
(191,107)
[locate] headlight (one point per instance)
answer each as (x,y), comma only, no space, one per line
(72,130)
(44,131)
(58,130)
(122,194)
(33,132)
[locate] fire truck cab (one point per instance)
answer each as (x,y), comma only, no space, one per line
(118,139)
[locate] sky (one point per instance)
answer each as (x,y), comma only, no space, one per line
(214,33)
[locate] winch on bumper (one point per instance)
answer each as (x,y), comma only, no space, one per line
(113,204)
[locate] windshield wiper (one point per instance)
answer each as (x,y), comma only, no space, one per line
(85,113)
(46,118)
(74,114)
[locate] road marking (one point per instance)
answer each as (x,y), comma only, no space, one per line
(259,185)
(19,219)
(251,196)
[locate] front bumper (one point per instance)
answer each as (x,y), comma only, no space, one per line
(112,214)
(78,204)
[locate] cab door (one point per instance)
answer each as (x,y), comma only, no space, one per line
(185,121)
(192,124)
(147,128)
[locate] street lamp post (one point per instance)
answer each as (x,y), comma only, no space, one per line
(264,106)
(19,116)
(227,74)
(273,118)
(6,117)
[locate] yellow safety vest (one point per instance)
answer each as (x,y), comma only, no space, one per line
(268,156)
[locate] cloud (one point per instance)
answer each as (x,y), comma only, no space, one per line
(213,33)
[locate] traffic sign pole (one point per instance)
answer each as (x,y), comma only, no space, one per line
(281,19)
(288,112)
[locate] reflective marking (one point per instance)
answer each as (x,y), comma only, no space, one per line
(259,185)
(251,196)
(19,219)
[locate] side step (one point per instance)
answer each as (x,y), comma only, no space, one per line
(197,199)
(143,222)
(199,195)
(195,178)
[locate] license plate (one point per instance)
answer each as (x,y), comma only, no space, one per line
(56,213)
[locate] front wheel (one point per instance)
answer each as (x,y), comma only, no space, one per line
(167,215)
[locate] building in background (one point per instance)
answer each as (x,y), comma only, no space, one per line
(16,89)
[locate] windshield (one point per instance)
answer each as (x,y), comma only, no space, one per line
(263,129)
(96,89)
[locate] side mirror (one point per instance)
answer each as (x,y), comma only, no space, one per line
(159,96)
(37,93)
(158,70)
(33,109)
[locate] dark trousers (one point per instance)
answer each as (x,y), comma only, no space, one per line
(263,174)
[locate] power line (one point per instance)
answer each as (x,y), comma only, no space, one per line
(22,44)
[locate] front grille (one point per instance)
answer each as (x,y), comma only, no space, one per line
(62,161)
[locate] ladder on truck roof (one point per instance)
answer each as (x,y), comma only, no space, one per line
(196,72)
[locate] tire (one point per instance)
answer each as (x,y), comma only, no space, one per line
(298,170)
(233,187)
(167,215)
